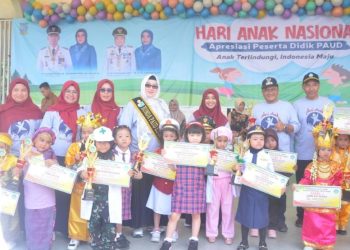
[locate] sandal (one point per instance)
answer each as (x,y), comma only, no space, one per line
(228,241)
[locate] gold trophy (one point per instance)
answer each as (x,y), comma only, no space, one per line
(91,156)
(143,144)
(25,148)
(211,169)
(243,146)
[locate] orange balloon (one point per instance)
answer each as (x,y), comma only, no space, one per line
(155,15)
(144,2)
(43,23)
(188,3)
(244,1)
(337,11)
(88,3)
(128,1)
(110,16)
(81,19)
(214,10)
(301,3)
(172,3)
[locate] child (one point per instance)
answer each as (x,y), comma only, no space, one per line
(106,208)
(277,206)
(39,201)
(188,195)
(221,194)
(77,227)
(159,199)
(122,139)
(253,206)
(9,224)
(341,155)
(319,225)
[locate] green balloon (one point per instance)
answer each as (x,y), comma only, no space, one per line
(100,6)
(53,6)
(228,2)
(141,10)
(310,6)
(27,17)
(270,4)
(120,7)
(242,14)
(252,2)
(149,8)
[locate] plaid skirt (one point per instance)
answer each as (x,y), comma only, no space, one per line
(189,190)
(126,205)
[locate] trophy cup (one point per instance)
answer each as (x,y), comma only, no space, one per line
(211,169)
(236,176)
(143,144)
(25,148)
(91,155)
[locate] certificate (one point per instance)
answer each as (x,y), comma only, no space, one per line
(112,173)
(317,196)
(284,162)
(227,160)
(189,154)
(155,164)
(342,120)
(9,200)
(55,176)
(264,180)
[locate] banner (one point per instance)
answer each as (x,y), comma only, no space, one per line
(190,55)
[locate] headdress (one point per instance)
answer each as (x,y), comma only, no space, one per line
(324,132)
(90,120)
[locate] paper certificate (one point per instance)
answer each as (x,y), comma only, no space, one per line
(112,173)
(55,176)
(155,164)
(189,154)
(317,196)
(9,200)
(284,162)
(227,160)
(264,180)
(342,120)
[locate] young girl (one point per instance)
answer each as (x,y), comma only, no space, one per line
(9,224)
(39,201)
(319,225)
(106,208)
(341,155)
(159,199)
(253,206)
(77,227)
(188,192)
(221,194)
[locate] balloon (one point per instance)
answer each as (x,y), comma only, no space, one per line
(301,12)
(230,11)
(144,3)
(81,10)
(58,10)
(301,3)
(246,6)
(162,15)
(146,15)
(54,19)
(101,15)
(168,11)
(88,17)
(164,4)
(207,3)
(278,1)
(261,14)
(346,3)
(223,7)
(128,8)
(242,14)
(190,12)
(33,19)
(127,15)
(198,6)
(158,7)
(288,4)
(37,14)
(66,8)
(336,3)
(319,10)
(28,9)
(70,19)
(100,6)
(287,14)
(155,15)
(347,11)
(205,12)
(88,3)
(310,6)
(295,8)
(217,2)
(337,11)
(43,23)
(214,10)
(121,7)
(253,12)
(319,2)
(136,4)
(327,6)
(75,4)
(188,3)
(73,13)
(110,17)
(180,8)
(173,3)
(93,11)
(237,6)
(278,10)
(111,8)
(117,16)
(252,2)
(260,4)
(270,4)
(229,2)
(81,19)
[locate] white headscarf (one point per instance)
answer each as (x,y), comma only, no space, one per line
(143,87)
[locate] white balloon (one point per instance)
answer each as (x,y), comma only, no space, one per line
(278,10)
(278,1)
(217,2)
(207,3)
(295,8)
(246,6)
(198,6)
(66,8)
(337,2)
(127,15)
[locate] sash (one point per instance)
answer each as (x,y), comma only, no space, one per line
(148,115)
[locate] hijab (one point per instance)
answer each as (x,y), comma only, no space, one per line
(146,46)
(11,111)
(68,111)
(215,113)
(178,115)
(109,110)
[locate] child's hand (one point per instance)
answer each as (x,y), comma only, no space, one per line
(77,157)
(84,175)
(16,172)
(283,190)
(295,168)
(172,167)
(50,162)
(137,175)
(239,167)
(280,126)
(131,173)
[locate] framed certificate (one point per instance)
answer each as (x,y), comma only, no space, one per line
(284,162)
(263,180)
(317,196)
(55,176)
(112,173)
(155,164)
(342,120)
(227,160)
(189,154)
(9,200)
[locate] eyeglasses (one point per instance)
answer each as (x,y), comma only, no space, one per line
(108,90)
(147,85)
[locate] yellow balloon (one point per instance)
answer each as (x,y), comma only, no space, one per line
(93,11)
(111,8)
(261,14)
(162,15)
(50,12)
(81,10)
(159,7)
(135,13)
(118,16)
(347,11)
(129,9)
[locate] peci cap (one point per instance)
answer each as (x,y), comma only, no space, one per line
(53,29)
(120,31)
(269,82)
(311,76)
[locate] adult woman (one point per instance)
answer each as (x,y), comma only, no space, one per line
(104,103)
(62,119)
(83,54)
(19,116)
(177,114)
(143,115)
(238,121)
(148,57)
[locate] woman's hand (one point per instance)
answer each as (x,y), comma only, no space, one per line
(137,174)
(50,162)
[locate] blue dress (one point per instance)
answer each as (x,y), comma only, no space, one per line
(83,57)
(148,59)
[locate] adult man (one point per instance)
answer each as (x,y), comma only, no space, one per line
(309,110)
(120,57)
(49,97)
(53,58)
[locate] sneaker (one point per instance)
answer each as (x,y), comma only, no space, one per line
(193,245)
(155,236)
(254,232)
(283,228)
(272,234)
(299,223)
(122,242)
(166,245)
(242,246)
(175,236)
(342,232)
(137,233)
(73,244)
(263,246)
(228,241)
(211,239)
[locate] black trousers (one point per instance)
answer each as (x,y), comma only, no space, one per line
(302,164)
(277,208)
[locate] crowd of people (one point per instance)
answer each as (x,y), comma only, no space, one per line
(61,129)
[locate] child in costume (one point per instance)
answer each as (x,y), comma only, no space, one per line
(319,226)
(341,155)
(220,194)
(253,206)
(188,192)
(39,201)
(78,227)
(159,199)
(9,224)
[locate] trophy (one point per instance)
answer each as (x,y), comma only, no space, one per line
(143,144)
(3,156)
(91,155)
(211,169)
(25,148)
(242,148)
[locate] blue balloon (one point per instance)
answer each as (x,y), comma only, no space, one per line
(37,14)
(136,5)
(205,12)
(190,12)
(70,19)
(346,3)
(288,4)
(146,15)
(223,7)
(301,12)
(253,12)
(327,6)
(180,8)
(270,12)
(168,11)
(28,9)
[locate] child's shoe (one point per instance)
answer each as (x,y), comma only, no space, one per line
(155,236)
(122,242)
(228,241)
(211,239)
(175,236)
(342,232)
(263,246)
(193,245)
(137,233)
(166,245)
(283,228)
(272,234)
(73,244)
(254,232)
(242,246)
